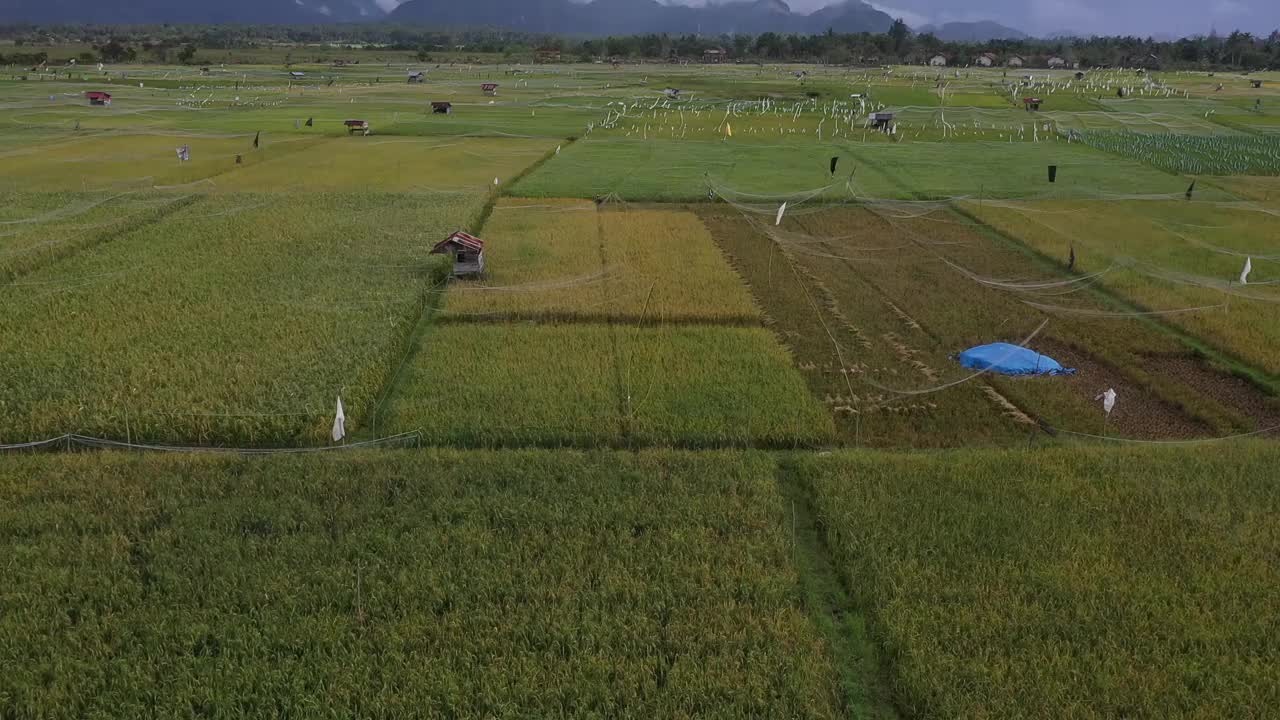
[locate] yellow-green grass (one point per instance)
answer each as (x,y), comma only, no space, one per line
(38,228)
(404,584)
(984,169)
(359,163)
(1165,252)
(704,386)
(1264,189)
(680,170)
(1077,582)
(548,259)
(238,320)
(485,384)
(668,268)
(105,161)
(542,259)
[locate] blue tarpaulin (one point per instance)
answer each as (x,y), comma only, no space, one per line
(1009,359)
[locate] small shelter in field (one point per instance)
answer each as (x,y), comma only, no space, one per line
(467,251)
(357,126)
(442,108)
(417,76)
(938,61)
(1056,62)
(985,60)
(1080,75)
(1032,103)
(1256,83)
(672,93)
(97,97)
(713,55)
(489,89)
(882,121)
(297,75)
(1015,61)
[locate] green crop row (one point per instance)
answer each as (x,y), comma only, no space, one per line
(238,320)
(1080,582)
(398,585)
(1193,154)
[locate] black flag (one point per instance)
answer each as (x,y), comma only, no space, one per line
(310,122)
(1053,173)
(1071,259)
(834,161)
(1191,189)
(256,138)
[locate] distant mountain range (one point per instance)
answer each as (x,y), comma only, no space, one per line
(981,31)
(134,12)
(597,17)
(615,17)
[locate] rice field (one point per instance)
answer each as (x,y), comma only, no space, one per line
(1175,257)
(587,385)
(1192,155)
(568,259)
(238,320)
(646,477)
(632,585)
(1078,582)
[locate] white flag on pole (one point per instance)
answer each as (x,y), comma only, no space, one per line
(557,149)
(495,182)
(1248,268)
(781,211)
(339,423)
(1108,399)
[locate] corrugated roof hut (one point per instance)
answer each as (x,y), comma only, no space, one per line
(467,251)
(442,108)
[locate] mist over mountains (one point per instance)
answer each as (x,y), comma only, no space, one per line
(564,17)
(600,17)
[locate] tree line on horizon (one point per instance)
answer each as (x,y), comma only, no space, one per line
(175,43)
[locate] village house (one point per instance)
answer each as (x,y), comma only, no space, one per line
(417,76)
(938,61)
(467,251)
(442,108)
(97,97)
(357,127)
(985,60)
(1014,61)
(1056,63)
(1032,103)
(714,55)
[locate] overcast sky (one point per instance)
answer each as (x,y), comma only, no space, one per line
(1103,17)
(1106,17)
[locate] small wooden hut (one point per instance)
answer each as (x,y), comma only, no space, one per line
(417,77)
(489,89)
(882,121)
(467,251)
(1256,83)
(442,108)
(357,127)
(1032,103)
(97,97)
